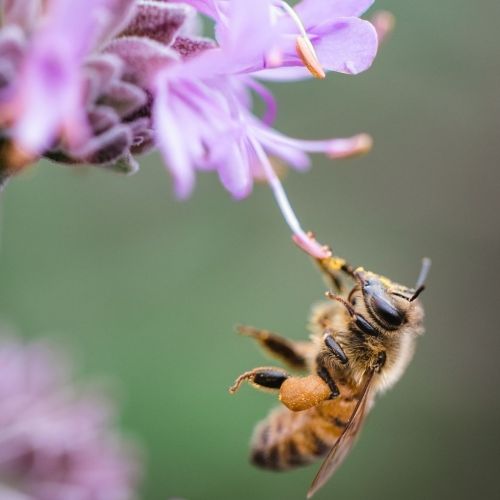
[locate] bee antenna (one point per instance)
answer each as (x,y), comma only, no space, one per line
(418,291)
(420,285)
(424,271)
(340,299)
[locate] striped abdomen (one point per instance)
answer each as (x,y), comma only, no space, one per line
(286,439)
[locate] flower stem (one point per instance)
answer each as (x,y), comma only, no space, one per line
(304,240)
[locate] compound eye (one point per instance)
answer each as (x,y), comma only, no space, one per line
(386,312)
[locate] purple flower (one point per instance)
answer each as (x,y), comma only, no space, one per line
(342,42)
(203,107)
(269,33)
(50,89)
(100,81)
(57,442)
(208,125)
(74,80)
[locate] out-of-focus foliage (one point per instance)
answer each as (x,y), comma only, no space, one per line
(149,289)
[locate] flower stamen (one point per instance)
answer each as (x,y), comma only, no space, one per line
(303,46)
(351,147)
(305,51)
(306,241)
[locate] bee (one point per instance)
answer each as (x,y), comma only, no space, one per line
(360,344)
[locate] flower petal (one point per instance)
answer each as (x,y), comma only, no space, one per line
(158,20)
(248,35)
(349,45)
(48,101)
(314,12)
(207,7)
(116,15)
(102,118)
(124,98)
(191,46)
(233,167)
(284,74)
(143,58)
(12,44)
(85,25)
(244,17)
(291,155)
(107,148)
(171,141)
(101,70)
(346,45)
(21,12)
(143,135)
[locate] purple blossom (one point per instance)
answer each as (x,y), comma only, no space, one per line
(49,93)
(57,442)
(269,33)
(74,80)
(203,107)
(100,81)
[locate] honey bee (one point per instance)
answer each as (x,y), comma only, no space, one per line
(360,344)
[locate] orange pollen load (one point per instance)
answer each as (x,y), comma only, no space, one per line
(302,393)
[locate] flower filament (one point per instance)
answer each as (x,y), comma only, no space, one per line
(303,46)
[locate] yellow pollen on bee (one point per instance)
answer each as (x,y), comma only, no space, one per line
(308,56)
(333,263)
(385,281)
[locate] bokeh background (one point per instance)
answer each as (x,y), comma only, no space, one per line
(146,290)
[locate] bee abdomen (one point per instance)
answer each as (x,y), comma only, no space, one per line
(286,440)
(268,458)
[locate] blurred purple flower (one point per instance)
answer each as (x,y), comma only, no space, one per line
(383,21)
(57,442)
(74,79)
(43,97)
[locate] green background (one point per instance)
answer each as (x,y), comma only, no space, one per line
(146,290)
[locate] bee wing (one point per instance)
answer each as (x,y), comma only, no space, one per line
(344,443)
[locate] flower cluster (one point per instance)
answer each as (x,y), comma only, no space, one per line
(99,81)
(56,443)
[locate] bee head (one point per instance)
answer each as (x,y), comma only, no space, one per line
(386,302)
(377,305)
(386,310)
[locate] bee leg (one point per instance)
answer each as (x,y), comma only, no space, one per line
(334,347)
(330,267)
(323,373)
(289,352)
(263,377)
